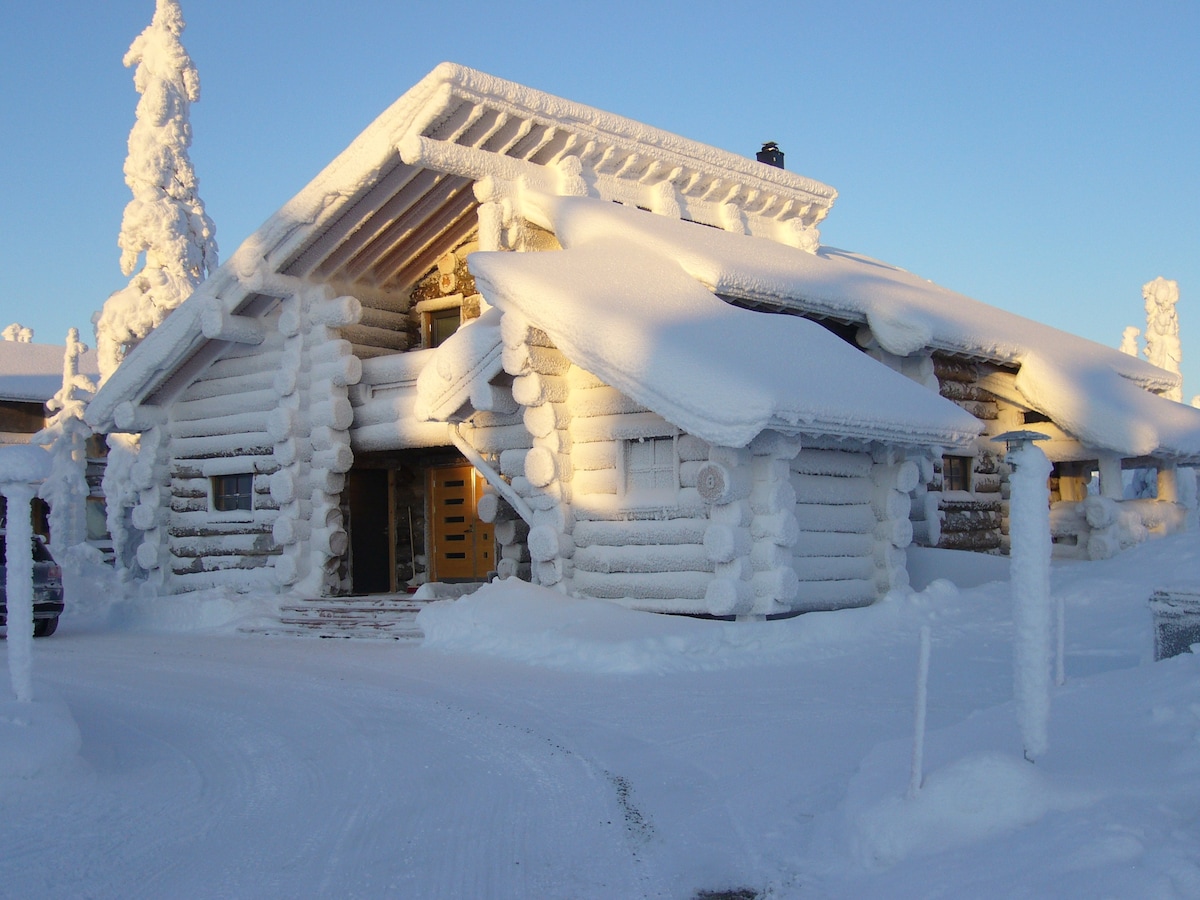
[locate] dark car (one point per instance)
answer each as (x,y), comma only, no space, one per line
(47,588)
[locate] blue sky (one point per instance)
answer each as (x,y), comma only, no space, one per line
(1041,157)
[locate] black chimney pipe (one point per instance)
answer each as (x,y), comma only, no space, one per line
(771,155)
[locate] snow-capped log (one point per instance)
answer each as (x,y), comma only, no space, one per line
(642,558)
(854,519)
(133,419)
(255,443)
(512,461)
(896,532)
(232,386)
(723,543)
(259,401)
(630,426)
(218,324)
(768,498)
(813,596)
(778,528)
(726,596)
(500,438)
(890,504)
(662,531)
(382,338)
(721,484)
(903,476)
(596,481)
(232,424)
(602,401)
(834,568)
(544,543)
(831,462)
(595,455)
(511,530)
(533,389)
(648,585)
(776,586)
(542,421)
(832,543)
(542,466)
(832,489)
(289,530)
(517,552)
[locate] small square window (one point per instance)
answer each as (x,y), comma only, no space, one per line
(956,473)
(440,324)
(233,492)
(651,469)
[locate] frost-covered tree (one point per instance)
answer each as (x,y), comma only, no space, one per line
(1162,328)
(1129,340)
(17,332)
(65,437)
(164,224)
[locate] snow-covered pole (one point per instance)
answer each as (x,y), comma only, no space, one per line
(1029,515)
(916,775)
(22,468)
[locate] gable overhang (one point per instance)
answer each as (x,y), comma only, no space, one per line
(409,189)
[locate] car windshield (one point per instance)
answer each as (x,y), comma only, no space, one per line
(40,553)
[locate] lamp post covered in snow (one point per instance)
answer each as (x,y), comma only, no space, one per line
(22,469)
(1029,531)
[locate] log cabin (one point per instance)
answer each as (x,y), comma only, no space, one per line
(507,334)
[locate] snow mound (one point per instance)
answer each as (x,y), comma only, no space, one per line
(537,626)
(970,800)
(218,610)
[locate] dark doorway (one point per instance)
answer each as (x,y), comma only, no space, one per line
(370,532)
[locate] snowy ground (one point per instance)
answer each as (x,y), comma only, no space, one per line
(538,747)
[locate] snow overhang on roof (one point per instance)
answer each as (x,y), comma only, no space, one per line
(408,190)
(638,321)
(34,372)
(1101,396)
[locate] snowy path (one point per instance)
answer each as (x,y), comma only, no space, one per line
(219,763)
(235,766)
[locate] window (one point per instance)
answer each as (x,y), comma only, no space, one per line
(440,324)
(956,473)
(232,492)
(651,469)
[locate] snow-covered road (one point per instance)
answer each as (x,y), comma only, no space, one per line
(541,747)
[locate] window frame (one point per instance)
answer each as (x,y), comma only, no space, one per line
(219,493)
(653,496)
(951,478)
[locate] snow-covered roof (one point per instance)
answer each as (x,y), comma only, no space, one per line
(1100,395)
(641,323)
(407,191)
(34,372)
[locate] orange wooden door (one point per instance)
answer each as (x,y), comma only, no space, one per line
(464,548)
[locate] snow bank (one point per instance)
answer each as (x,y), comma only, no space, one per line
(537,626)
(215,610)
(972,799)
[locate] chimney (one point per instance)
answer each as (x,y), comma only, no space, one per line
(771,155)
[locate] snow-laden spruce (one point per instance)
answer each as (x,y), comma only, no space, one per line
(17,332)
(65,437)
(165,224)
(1162,329)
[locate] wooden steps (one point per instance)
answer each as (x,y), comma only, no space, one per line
(378,616)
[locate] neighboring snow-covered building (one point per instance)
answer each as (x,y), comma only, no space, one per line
(30,376)
(506,332)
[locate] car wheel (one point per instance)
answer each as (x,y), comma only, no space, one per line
(45,627)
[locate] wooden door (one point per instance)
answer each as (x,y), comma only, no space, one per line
(463,547)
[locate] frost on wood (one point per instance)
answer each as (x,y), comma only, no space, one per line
(65,437)
(17,332)
(1162,329)
(164,224)
(1029,510)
